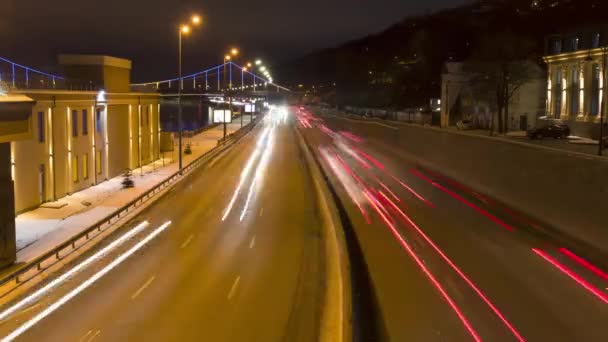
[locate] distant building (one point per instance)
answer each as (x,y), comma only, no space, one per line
(461,100)
(575,86)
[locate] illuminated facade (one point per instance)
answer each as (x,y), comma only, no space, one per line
(575,82)
(81,138)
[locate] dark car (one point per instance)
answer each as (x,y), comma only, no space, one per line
(554,129)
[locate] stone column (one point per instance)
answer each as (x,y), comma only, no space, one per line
(8,248)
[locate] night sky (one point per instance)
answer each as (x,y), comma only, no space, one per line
(34,31)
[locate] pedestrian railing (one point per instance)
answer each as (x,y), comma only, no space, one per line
(26,272)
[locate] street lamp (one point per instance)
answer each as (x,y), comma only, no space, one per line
(183,30)
(233,53)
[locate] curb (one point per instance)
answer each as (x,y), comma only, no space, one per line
(336,316)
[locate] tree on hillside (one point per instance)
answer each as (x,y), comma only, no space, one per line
(501,65)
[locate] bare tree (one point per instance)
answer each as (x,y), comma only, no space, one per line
(502,64)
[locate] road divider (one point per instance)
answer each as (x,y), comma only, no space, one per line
(336,321)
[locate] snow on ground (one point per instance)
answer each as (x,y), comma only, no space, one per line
(41,229)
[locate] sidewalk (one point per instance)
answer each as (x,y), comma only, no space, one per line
(572,144)
(41,229)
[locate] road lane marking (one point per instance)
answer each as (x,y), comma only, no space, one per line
(234,286)
(69,274)
(252,243)
(187,242)
(83,286)
(85,336)
(261,212)
(143,287)
(93,336)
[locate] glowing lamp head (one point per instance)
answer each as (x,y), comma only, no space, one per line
(227,57)
(263,69)
(258,62)
(185,29)
(249,65)
(244,68)
(234,52)
(196,20)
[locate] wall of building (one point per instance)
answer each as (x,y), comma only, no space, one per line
(62,162)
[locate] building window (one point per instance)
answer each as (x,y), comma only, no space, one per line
(85,122)
(98,162)
(74,123)
(557,93)
(595,90)
(85,166)
(98,126)
(574,91)
(555,46)
(595,41)
(75,169)
(574,43)
(40,127)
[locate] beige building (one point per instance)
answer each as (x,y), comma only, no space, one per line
(574,85)
(81,138)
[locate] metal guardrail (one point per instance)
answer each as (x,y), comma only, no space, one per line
(52,257)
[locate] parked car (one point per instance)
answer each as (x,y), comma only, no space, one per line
(464,125)
(552,129)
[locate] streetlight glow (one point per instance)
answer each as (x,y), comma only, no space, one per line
(249,65)
(196,19)
(263,69)
(234,51)
(258,62)
(185,29)
(227,57)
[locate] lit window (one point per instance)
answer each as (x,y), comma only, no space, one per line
(85,166)
(75,169)
(98,163)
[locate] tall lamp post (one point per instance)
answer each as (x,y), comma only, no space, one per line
(184,29)
(233,53)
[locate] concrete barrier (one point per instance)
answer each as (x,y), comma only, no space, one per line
(568,191)
(336,315)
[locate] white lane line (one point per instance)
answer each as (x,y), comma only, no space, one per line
(93,336)
(234,286)
(85,336)
(47,288)
(252,243)
(143,287)
(83,286)
(261,212)
(187,242)
(30,308)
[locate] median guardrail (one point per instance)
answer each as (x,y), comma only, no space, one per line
(54,256)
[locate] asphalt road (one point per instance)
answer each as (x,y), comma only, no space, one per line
(446,263)
(204,278)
